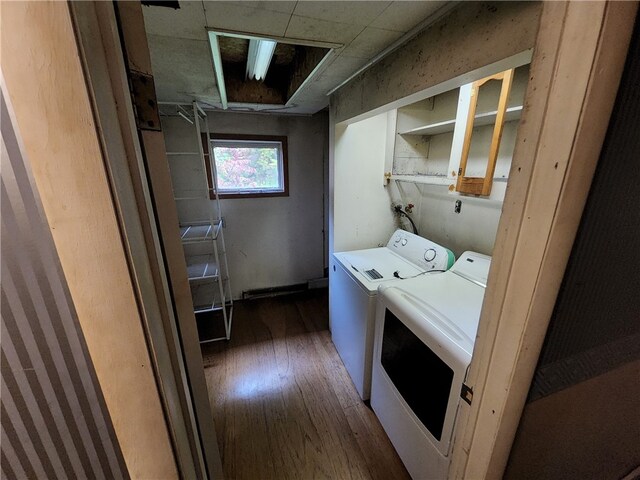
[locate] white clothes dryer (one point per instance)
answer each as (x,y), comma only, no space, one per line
(424,338)
(353,285)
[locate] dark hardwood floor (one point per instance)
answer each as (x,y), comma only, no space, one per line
(284,405)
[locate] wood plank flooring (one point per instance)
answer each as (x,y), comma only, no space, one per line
(284,405)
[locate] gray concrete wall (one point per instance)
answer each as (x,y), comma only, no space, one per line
(472,36)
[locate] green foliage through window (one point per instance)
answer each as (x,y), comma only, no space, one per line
(247,166)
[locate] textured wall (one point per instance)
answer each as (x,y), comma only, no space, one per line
(474,35)
(54,420)
(270,241)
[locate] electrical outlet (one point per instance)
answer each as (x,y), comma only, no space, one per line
(458,206)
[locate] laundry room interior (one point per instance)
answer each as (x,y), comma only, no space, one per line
(355,233)
(410,156)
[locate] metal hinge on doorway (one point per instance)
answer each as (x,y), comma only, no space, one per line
(466,393)
(145,104)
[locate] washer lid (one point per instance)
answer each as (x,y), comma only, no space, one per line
(373,266)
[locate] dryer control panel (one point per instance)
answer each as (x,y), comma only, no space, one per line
(421,251)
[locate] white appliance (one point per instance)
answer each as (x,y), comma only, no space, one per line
(353,285)
(424,337)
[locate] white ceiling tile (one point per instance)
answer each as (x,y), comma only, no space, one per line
(370,42)
(304,28)
(402,16)
(182,69)
(186,22)
(357,13)
(245,18)
(343,66)
(182,62)
(273,6)
(309,102)
(324,83)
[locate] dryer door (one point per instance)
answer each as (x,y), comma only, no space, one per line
(420,376)
(418,356)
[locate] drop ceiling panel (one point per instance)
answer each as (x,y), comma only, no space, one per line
(322,30)
(182,69)
(273,6)
(403,16)
(356,13)
(309,101)
(182,62)
(186,22)
(252,19)
(370,42)
(325,83)
(344,66)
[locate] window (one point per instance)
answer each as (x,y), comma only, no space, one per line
(249,165)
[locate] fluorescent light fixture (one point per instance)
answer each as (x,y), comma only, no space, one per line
(259,58)
(217,66)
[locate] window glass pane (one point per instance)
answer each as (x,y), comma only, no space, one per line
(248,167)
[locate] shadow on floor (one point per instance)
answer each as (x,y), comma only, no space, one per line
(284,405)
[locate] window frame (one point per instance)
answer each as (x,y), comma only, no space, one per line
(207,148)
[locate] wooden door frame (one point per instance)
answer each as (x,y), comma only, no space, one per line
(576,68)
(133,36)
(141,189)
(99,49)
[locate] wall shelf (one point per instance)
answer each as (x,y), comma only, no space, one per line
(199,232)
(432,129)
(202,267)
(424,179)
(207,272)
(487,118)
(214,307)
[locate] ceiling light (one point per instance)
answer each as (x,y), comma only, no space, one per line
(217,66)
(259,58)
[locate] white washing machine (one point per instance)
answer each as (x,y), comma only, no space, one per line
(353,285)
(424,338)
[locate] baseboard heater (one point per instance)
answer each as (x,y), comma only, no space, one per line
(285,289)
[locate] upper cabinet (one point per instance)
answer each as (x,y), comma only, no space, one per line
(424,137)
(463,138)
